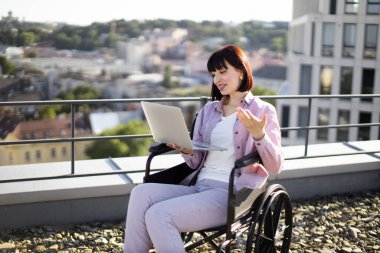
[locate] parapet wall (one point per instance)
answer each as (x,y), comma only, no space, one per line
(105,198)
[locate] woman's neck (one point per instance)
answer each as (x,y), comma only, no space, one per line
(235,98)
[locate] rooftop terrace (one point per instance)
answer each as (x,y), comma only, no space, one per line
(94,194)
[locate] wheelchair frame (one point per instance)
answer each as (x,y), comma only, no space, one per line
(264,216)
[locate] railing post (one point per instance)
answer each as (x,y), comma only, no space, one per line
(308,125)
(72,142)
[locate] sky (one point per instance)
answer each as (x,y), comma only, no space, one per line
(84,12)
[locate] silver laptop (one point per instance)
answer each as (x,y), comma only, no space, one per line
(167,125)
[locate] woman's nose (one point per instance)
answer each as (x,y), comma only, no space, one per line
(216,79)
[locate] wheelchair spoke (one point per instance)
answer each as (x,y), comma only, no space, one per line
(277,212)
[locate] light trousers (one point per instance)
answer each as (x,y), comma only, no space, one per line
(157,213)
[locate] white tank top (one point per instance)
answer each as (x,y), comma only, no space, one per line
(218,164)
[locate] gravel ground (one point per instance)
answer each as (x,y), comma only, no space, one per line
(344,223)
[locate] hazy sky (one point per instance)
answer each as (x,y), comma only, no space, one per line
(84,12)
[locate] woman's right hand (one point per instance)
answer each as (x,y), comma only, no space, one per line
(178,148)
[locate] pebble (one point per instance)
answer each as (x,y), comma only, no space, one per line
(347,223)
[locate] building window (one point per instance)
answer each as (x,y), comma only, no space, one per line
(303,119)
(305,80)
(328,38)
(323,119)
(370,41)
(332,7)
(326,79)
(368,79)
(351,6)
(27,156)
(64,152)
(373,7)
(346,75)
(38,155)
(285,119)
(53,153)
(349,35)
(343,119)
(48,134)
(363,133)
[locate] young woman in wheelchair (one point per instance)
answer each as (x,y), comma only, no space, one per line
(236,120)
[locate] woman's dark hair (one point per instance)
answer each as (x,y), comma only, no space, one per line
(234,56)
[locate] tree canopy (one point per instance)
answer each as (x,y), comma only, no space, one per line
(119,147)
(258,34)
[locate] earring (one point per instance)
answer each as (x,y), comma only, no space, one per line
(241,78)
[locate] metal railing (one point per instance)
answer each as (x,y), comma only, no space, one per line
(202,100)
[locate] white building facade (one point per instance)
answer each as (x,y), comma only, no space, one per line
(333,49)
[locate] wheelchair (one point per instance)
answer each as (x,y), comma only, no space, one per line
(258,220)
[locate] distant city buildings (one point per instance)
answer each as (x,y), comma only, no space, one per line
(42,152)
(333,48)
(134,68)
(9,17)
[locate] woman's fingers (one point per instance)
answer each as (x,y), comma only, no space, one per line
(178,148)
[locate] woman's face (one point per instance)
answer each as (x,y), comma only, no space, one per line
(227,80)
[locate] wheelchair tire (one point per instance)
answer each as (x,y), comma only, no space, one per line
(272,229)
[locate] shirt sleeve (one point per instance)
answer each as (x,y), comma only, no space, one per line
(269,147)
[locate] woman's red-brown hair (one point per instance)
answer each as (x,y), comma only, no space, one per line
(235,56)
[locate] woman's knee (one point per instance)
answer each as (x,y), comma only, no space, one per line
(140,191)
(156,213)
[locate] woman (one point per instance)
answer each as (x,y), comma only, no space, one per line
(236,120)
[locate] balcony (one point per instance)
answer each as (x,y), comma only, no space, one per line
(78,191)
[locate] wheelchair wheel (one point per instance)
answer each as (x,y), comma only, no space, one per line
(272,231)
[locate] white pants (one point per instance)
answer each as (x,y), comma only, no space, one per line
(157,213)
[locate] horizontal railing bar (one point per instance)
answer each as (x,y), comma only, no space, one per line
(331,126)
(77,139)
(73,176)
(173,99)
(329,155)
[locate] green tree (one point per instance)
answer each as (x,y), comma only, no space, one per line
(277,44)
(49,111)
(82,92)
(27,38)
(259,90)
(7,67)
(118,147)
(31,54)
(167,81)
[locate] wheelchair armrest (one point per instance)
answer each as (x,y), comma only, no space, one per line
(247,160)
(160,148)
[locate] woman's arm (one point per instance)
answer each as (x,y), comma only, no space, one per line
(265,131)
(269,147)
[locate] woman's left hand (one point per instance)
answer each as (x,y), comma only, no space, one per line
(253,124)
(180,149)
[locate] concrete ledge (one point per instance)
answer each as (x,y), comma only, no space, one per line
(75,188)
(105,198)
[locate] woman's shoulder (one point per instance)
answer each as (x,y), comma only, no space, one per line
(211,106)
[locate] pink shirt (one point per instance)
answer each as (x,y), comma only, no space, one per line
(269,147)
